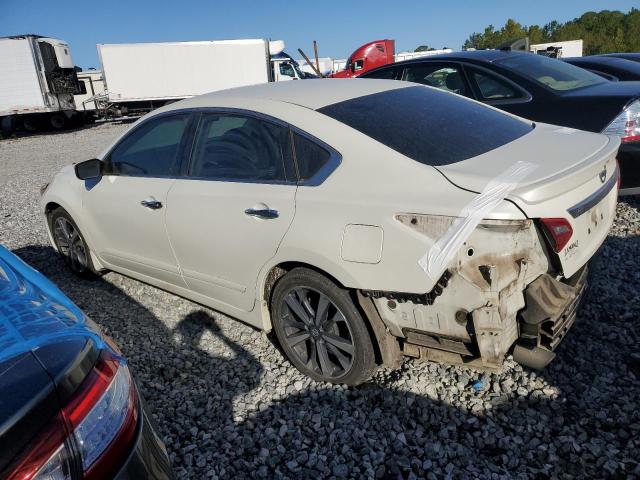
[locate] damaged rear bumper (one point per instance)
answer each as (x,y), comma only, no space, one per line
(551,310)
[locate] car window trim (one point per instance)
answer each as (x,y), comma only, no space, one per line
(181,147)
(525,95)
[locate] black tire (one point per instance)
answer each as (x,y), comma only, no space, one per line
(74,250)
(341,332)
(57,121)
(30,124)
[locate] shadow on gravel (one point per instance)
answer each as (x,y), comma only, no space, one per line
(589,429)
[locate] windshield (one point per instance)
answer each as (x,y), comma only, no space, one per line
(427,125)
(550,72)
(296,67)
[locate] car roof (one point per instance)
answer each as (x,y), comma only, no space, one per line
(486,56)
(312,93)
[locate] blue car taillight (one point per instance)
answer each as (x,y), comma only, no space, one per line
(95,429)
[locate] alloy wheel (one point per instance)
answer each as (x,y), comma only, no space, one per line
(70,244)
(317,332)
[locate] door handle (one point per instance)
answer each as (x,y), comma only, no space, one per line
(262,213)
(151,203)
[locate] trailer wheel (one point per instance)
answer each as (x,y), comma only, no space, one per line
(57,121)
(30,124)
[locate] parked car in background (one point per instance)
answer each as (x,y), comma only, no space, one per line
(541,89)
(69,407)
(322,209)
(635,57)
(612,68)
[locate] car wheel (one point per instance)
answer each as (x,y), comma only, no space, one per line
(320,329)
(71,244)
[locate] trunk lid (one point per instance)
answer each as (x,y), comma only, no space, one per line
(574,178)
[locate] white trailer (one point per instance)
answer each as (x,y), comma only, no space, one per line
(401,56)
(147,75)
(566,49)
(37,83)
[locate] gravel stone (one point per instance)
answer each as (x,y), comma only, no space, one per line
(229,406)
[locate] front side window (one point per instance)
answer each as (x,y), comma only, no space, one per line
(240,148)
(429,126)
(151,149)
(358,65)
(447,78)
(492,88)
(287,70)
(383,74)
(553,73)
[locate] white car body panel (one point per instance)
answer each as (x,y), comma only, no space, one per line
(205,218)
(114,207)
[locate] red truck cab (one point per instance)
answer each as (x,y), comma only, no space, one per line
(369,56)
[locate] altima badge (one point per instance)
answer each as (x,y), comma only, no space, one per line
(603,175)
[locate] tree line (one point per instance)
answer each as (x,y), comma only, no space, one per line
(602,32)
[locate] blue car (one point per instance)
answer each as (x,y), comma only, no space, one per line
(69,407)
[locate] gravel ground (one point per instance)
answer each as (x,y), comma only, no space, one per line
(229,406)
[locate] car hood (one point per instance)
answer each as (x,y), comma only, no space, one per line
(613,90)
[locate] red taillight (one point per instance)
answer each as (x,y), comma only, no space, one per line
(94,430)
(44,452)
(559,232)
(627,124)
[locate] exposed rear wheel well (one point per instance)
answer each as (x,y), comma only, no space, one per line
(280,270)
(50,207)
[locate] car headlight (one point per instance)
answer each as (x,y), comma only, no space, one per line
(43,188)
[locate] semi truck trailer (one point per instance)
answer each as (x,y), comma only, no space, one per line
(142,76)
(37,83)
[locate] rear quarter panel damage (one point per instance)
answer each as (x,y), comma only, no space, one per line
(485,292)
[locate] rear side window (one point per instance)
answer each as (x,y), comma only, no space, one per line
(444,77)
(492,88)
(240,148)
(428,125)
(310,156)
(151,149)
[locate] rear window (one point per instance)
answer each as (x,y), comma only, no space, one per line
(550,72)
(427,125)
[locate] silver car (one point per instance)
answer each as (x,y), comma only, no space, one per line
(361,220)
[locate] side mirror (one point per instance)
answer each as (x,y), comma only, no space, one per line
(89,169)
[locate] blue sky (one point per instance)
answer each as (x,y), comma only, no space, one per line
(338,26)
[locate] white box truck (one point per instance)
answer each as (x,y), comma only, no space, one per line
(143,76)
(37,83)
(565,49)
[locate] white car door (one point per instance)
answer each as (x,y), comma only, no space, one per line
(126,207)
(229,213)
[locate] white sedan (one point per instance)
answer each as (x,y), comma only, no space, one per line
(362,220)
